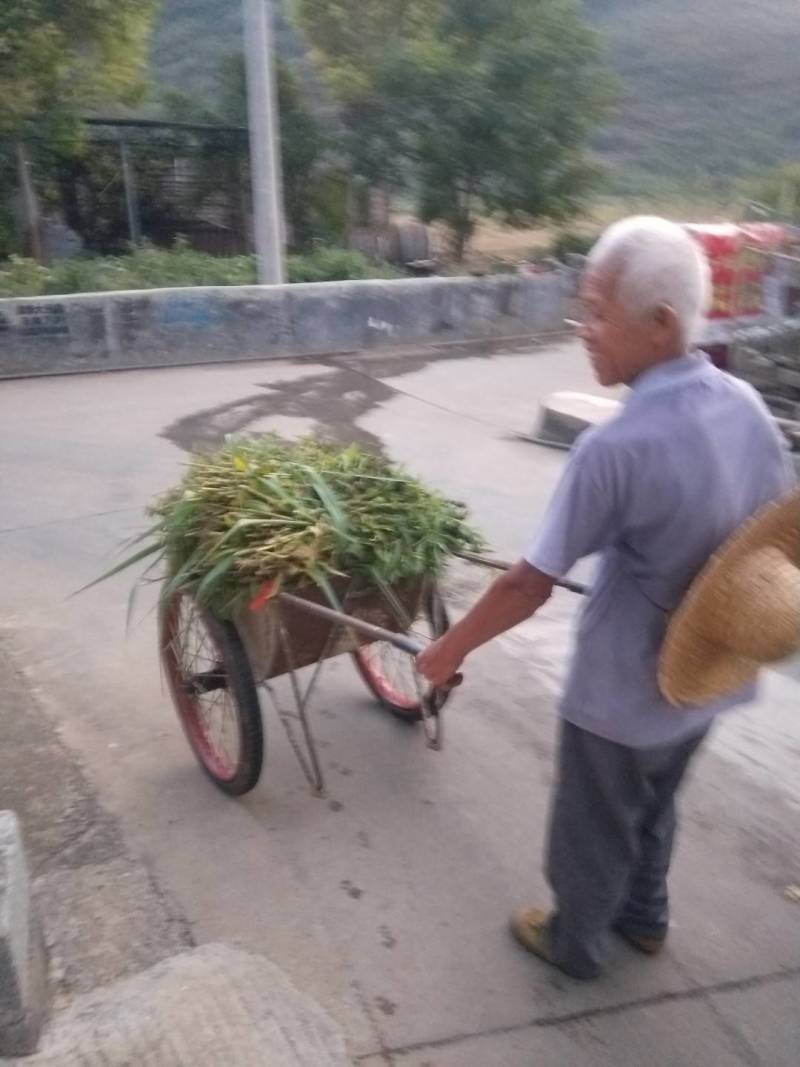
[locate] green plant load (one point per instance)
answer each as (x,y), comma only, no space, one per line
(262,509)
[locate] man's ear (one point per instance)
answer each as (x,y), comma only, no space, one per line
(666,319)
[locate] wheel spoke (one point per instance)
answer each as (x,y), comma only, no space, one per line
(391,674)
(212,716)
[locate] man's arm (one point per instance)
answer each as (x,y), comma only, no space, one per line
(514,597)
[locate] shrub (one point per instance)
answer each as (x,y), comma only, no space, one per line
(569,242)
(156,268)
(336,264)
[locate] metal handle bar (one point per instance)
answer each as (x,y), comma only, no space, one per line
(503,565)
(377,633)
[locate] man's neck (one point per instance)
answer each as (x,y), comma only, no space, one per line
(660,361)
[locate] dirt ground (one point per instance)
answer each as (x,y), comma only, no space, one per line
(495,243)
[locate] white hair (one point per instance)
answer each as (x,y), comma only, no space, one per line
(653,262)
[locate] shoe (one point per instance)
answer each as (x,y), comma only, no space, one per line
(530,927)
(650,946)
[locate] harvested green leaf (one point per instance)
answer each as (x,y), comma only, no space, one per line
(262,509)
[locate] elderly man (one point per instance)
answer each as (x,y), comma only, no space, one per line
(655,492)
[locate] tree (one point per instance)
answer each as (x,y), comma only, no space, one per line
(493,112)
(478,107)
(56,56)
(352,42)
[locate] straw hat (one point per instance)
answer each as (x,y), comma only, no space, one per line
(742,612)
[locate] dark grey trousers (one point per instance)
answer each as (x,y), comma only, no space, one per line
(612,830)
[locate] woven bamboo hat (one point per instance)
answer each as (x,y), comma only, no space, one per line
(741,612)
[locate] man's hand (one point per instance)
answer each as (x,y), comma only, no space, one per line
(439,662)
(514,597)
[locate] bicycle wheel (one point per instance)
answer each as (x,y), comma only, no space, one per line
(214,693)
(391,675)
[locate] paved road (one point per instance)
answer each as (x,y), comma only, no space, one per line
(388,900)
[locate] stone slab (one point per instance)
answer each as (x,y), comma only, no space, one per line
(565,416)
(212,1006)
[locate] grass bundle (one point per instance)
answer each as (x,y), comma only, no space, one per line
(263,509)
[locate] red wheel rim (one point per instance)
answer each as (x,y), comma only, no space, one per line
(188,648)
(392,674)
(372,660)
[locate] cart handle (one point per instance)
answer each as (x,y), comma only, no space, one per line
(376,633)
(503,565)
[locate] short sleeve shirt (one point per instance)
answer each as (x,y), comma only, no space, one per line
(654,492)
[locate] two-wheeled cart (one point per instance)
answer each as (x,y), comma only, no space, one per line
(215,666)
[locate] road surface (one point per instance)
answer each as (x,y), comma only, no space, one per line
(388,900)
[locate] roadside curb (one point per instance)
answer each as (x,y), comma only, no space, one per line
(23,961)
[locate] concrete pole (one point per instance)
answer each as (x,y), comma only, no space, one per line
(265,155)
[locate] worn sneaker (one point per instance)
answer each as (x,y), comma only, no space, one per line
(530,927)
(649,945)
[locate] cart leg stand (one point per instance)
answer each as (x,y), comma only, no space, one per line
(309,759)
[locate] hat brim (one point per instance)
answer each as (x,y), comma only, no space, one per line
(694,670)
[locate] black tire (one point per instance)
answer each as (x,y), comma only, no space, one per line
(396,686)
(204,655)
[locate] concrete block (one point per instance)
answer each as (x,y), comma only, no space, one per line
(349,316)
(44,334)
(215,1005)
(173,327)
(23,999)
(197,325)
(540,303)
(565,416)
(257,322)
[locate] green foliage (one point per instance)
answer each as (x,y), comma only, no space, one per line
(709,86)
(23,277)
(336,264)
(482,109)
(571,242)
(353,38)
(778,191)
(56,56)
(493,112)
(352,43)
(261,510)
(158,268)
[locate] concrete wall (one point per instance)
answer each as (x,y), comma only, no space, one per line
(112,331)
(769,358)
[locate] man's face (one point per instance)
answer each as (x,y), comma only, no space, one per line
(620,344)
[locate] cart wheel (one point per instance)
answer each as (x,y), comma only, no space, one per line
(390,674)
(214,693)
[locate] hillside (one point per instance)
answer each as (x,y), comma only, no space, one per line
(708,86)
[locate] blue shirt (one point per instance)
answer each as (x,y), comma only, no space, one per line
(655,491)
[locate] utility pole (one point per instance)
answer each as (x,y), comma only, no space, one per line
(265,156)
(131,194)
